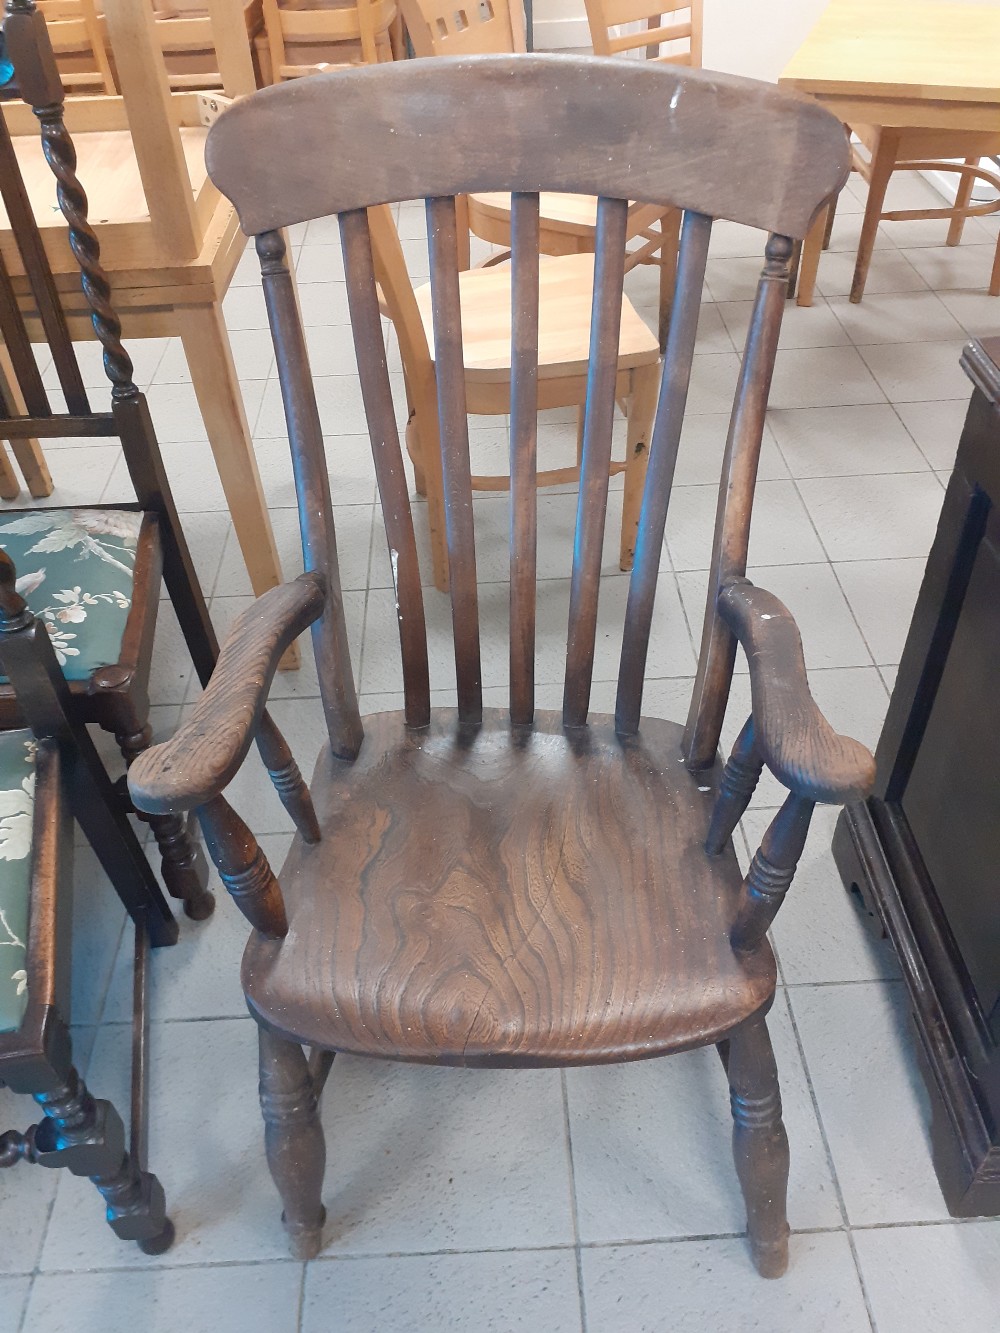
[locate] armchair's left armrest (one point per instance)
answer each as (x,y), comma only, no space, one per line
(204,755)
(791,735)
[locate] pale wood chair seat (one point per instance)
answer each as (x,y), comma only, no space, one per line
(566,286)
(573,214)
(548,883)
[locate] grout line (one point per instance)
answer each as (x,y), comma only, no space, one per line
(841,1204)
(573,1202)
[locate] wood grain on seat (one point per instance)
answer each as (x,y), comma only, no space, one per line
(509,896)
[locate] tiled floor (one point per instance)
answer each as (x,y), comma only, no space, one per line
(601,1198)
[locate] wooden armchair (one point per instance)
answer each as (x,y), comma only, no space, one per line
(532,888)
(49,772)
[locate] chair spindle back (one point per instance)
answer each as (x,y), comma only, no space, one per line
(709,145)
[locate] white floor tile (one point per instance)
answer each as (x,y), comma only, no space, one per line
(819,933)
(414,1153)
(859,1050)
(224,1299)
(822,377)
(13,1301)
(711,1284)
(801,326)
(936,428)
(886,518)
(889,318)
(881,594)
(890,271)
(780,531)
(924,1279)
(464,1293)
(913,372)
(947,268)
(652,1146)
(844,441)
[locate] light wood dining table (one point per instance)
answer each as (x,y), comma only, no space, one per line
(916,83)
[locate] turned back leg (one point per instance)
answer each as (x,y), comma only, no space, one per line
(760,1145)
(293,1135)
(185,870)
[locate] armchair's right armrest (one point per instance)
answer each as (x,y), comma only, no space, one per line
(205,754)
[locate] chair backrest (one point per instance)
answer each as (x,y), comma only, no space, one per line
(305,35)
(671,32)
(205,46)
(454,28)
(79,44)
(711,145)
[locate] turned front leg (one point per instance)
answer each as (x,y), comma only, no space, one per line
(293,1137)
(760,1145)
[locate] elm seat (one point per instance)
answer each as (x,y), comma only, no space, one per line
(17,804)
(75,570)
(562,901)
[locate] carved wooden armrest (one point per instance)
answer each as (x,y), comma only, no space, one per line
(201,759)
(790,734)
(787,732)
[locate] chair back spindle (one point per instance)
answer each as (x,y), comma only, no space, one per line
(595,464)
(732,521)
(442,244)
(625,131)
(362,296)
(312,487)
(523,453)
(692,257)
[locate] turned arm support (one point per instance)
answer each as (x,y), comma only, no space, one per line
(196,765)
(790,734)
(787,732)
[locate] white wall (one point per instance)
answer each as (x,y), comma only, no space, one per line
(752,37)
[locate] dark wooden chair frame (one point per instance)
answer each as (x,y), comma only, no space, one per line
(79,1132)
(712,146)
(115,697)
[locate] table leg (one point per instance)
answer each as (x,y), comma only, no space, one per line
(883,163)
(812,248)
(213,374)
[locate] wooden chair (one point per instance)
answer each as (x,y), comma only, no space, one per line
(49,772)
(309,36)
(80,45)
(531,888)
(206,47)
(568,221)
(169,241)
(665,37)
(565,293)
(93,575)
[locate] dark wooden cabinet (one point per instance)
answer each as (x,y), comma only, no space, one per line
(923,852)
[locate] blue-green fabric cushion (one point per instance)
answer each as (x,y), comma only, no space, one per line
(17,803)
(74,569)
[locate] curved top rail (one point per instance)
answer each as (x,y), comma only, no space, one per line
(729,147)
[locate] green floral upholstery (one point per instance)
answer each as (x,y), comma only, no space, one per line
(17,803)
(74,569)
